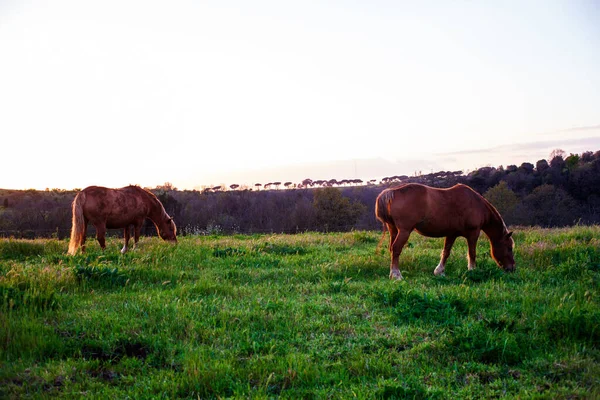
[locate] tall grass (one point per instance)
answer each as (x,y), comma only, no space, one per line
(300,316)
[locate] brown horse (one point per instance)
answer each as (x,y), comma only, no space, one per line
(117,208)
(450,213)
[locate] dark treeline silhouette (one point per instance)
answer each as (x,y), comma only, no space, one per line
(560,192)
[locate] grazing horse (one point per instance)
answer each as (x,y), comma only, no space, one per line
(117,208)
(450,213)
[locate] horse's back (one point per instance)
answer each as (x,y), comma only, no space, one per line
(435,212)
(115,207)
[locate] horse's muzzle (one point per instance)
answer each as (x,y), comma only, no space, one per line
(509,268)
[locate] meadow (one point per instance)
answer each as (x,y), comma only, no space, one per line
(310,315)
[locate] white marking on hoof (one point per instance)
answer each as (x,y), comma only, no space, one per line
(396,275)
(124,250)
(439,270)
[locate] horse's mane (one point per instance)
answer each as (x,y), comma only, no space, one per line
(151,196)
(495,214)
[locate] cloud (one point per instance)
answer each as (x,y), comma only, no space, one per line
(573,145)
(581,128)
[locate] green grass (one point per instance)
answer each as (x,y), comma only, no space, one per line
(300,316)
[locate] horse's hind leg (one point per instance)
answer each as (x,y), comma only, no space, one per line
(137,228)
(400,240)
(448,242)
(127,235)
(84,236)
(393,233)
(101,235)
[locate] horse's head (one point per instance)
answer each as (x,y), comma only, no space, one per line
(168,230)
(502,252)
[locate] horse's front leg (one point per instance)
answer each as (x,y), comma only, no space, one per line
(472,238)
(396,249)
(127,236)
(448,243)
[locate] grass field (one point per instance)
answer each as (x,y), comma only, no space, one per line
(300,316)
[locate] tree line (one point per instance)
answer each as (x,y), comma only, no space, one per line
(562,191)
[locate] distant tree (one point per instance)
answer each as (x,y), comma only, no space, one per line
(302,217)
(511,168)
(557,162)
(167,187)
(554,175)
(277,184)
(257,185)
(307,182)
(504,199)
(584,181)
(335,212)
(572,162)
(526,168)
(480,179)
(549,206)
(522,181)
(541,166)
(287,185)
(587,157)
(557,153)
(216,188)
(234,186)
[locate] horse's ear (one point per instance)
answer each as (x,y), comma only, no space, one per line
(509,234)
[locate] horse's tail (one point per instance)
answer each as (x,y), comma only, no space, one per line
(78,228)
(382,206)
(384,230)
(382,212)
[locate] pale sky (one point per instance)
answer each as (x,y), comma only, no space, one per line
(218,92)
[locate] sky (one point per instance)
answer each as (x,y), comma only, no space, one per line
(202,93)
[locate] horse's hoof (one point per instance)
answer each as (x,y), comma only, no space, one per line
(396,276)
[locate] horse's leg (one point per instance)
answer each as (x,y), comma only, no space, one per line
(393,233)
(84,235)
(127,236)
(137,228)
(400,240)
(472,238)
(101,234)
(448,242)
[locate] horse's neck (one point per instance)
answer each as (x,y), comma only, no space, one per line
(494,226)
(157,211)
